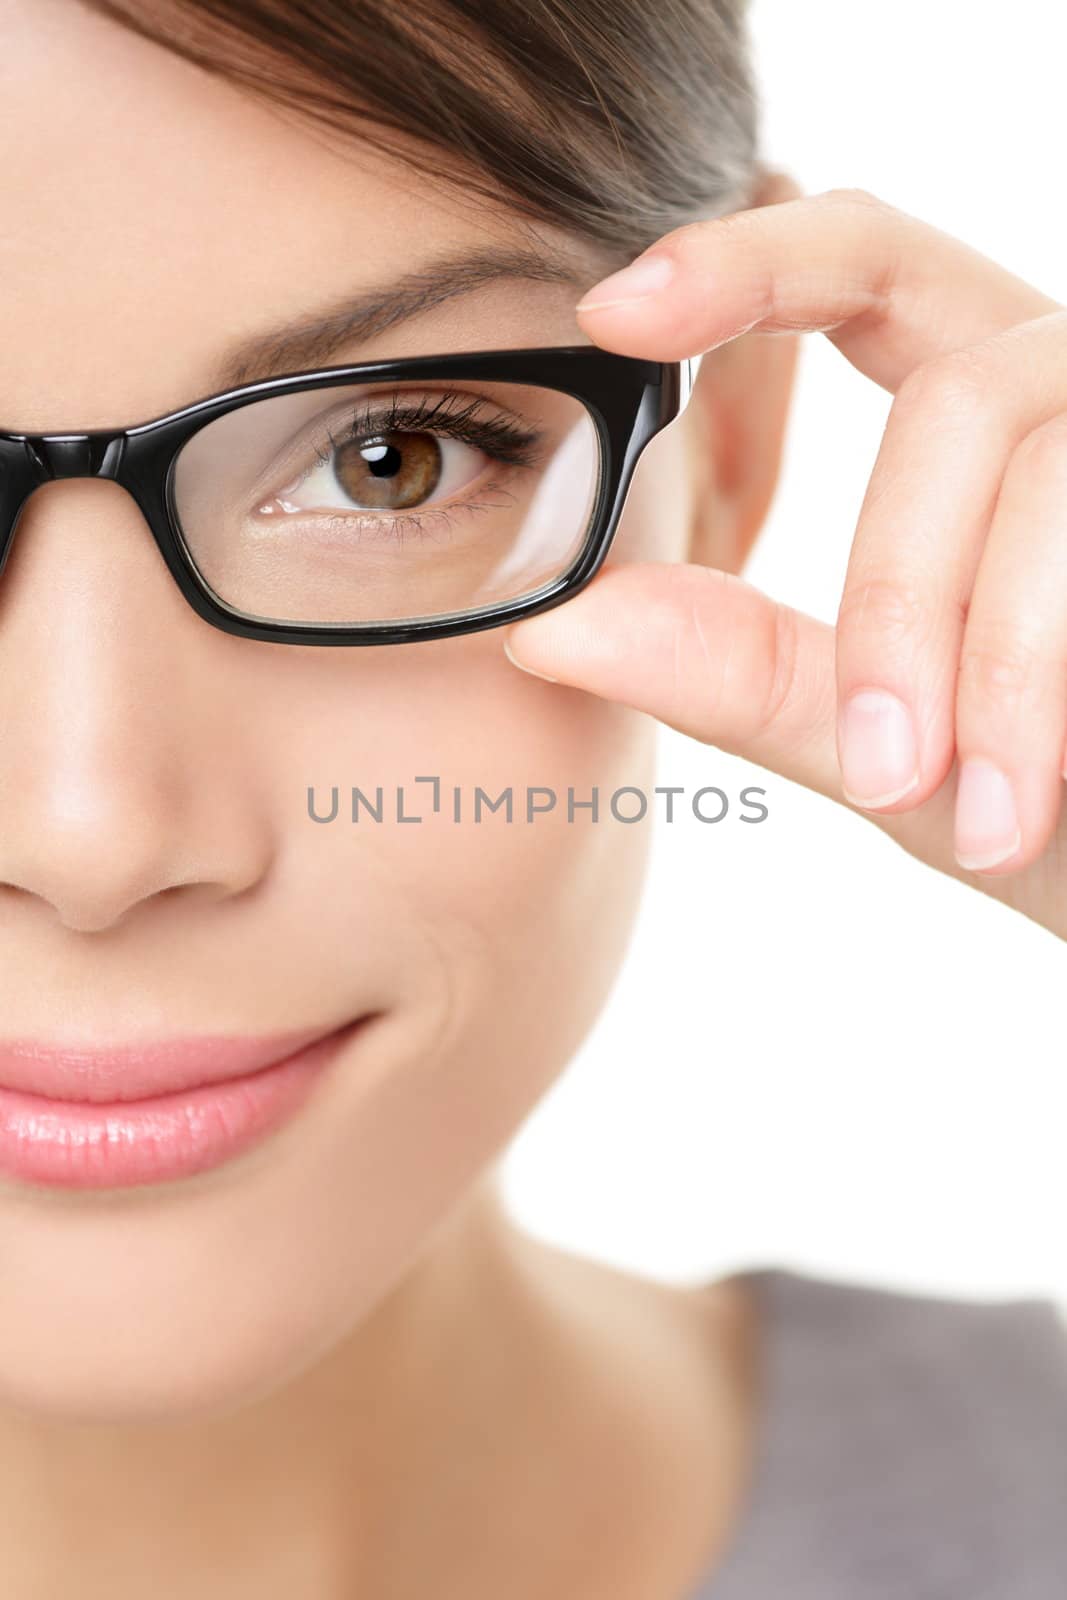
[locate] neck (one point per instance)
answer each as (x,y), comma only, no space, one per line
(505,1398)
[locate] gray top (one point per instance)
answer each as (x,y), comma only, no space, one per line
(909,1448)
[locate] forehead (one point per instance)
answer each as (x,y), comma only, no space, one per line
(157,214)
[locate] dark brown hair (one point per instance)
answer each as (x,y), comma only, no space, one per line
(613,119)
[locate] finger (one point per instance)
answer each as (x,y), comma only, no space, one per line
(1011,715)
(919,543)
(703,651)
(889,290)
(714,657)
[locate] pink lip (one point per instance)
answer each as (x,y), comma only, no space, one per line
(122,1115)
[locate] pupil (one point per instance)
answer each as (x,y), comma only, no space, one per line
(383,459)
(391,472)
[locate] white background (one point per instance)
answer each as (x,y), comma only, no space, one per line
(820,1053)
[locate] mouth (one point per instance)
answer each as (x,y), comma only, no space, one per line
(122,1115)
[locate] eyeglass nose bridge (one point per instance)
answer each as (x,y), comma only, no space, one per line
(74,455)
(28,460)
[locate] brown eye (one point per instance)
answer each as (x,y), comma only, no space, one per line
(390,472)
(387,467)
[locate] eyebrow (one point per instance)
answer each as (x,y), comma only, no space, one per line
(310,341)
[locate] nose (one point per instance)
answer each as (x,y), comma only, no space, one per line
(121,779)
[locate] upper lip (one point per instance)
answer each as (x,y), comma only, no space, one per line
(133,1071)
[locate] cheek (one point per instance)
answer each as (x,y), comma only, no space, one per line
(498,941)
(531,917)
(537,908)
(520,923)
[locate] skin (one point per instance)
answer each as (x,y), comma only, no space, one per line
(339,1337)
(259,1379)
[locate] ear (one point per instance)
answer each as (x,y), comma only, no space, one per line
(736,421)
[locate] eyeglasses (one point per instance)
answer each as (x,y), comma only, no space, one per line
(385,502)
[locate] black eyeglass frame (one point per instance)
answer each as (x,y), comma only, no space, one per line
(629,400)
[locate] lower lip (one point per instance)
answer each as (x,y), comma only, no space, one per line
(72,1144)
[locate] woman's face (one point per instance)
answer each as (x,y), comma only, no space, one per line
(161,877)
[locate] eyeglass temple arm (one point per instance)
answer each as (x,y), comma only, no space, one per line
(688,368)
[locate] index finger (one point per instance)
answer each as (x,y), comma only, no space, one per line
(889,290)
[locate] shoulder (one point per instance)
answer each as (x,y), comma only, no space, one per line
(910,1327)
(909,1435)
(935,1371)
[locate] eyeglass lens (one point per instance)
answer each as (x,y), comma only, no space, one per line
(387,501)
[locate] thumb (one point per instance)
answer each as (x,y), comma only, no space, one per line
(703,651)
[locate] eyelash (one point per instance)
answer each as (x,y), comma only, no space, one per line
(499,437)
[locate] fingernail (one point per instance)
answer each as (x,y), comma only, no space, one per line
(879,756)
(642,277)
(987,822)
(531,670)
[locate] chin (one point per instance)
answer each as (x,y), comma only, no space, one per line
(153,1373)
(204,1296)
(164,1317)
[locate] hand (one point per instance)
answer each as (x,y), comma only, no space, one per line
(938,704)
